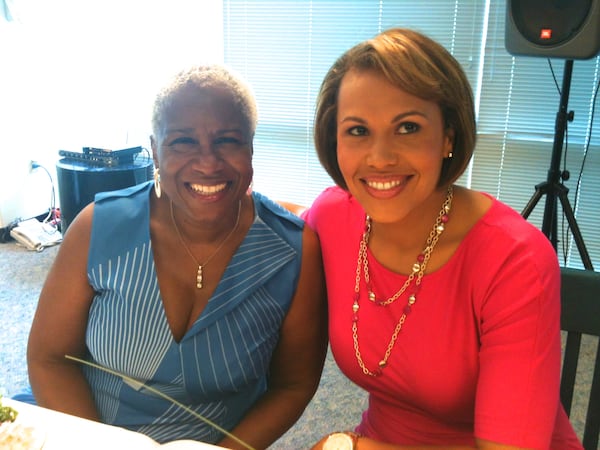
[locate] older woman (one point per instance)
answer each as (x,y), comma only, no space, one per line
(191,285)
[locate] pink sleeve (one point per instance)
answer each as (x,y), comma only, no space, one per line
(320,207)
(518,386)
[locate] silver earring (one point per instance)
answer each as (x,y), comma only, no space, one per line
(157,190)
(450,155)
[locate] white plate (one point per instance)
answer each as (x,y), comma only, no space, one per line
(185,444)
(17,436)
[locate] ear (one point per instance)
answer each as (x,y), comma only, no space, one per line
(449,136)
(154,148)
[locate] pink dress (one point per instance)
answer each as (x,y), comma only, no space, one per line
(478,356)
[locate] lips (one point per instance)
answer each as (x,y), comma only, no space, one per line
(206,189)
(385,185)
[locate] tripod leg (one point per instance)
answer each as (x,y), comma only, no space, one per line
(568,211)
(549,227)
(535,198)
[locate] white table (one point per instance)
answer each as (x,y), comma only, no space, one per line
(66,432)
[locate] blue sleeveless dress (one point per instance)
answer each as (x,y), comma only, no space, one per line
(219,368)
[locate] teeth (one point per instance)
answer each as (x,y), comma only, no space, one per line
(383,185)
(208,190)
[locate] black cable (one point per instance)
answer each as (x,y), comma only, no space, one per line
(52,212)
(587,145)
(566,243)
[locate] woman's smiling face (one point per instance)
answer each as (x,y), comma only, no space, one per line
(390,145)
(204,151)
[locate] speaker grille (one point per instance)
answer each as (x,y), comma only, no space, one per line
(550,22)
(553,28)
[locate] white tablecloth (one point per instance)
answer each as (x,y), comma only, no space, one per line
(66,432)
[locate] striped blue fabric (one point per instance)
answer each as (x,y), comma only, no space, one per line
(219,368)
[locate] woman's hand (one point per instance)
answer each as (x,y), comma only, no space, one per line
(364,443)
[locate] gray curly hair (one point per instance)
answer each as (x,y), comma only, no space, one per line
(206,77)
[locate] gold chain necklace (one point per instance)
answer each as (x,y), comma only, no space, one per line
(418,270)
(199,275)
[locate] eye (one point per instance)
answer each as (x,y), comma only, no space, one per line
(408,128)
(357,131)
(228,140)
(183,144)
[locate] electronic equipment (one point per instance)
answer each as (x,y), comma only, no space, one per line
(36,235)
(79,181)
(102,157)
(559,28)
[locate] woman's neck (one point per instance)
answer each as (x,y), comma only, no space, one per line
(397,245)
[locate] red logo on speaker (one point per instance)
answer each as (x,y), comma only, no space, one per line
(545,33)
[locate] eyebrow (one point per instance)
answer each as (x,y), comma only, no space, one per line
(192,130)
(394,120)
(179,130)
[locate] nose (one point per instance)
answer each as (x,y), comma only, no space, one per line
(381,153)
(206,159)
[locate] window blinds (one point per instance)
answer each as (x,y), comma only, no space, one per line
(284,48)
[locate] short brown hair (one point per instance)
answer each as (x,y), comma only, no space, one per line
(417,65)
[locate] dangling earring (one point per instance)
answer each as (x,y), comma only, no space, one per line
(157,190)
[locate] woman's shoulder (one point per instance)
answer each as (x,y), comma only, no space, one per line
(270,210)
(481,213)
(502,233)
(333,196)
(275,220)
(128,192)
(505,220)
(332,207)
(120,220)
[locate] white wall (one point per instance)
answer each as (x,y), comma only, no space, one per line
(84,73)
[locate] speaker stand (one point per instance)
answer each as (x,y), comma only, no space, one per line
(553,188)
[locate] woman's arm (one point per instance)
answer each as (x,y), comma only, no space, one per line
(297,361)
(59,326)
(364,443)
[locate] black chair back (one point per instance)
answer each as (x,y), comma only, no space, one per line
(580,297)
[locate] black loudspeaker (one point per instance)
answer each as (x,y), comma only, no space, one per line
(80,181)
(553,28)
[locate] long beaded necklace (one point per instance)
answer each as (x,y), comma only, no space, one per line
(418,270)
(199,274)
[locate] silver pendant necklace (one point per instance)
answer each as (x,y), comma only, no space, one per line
(199,272)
